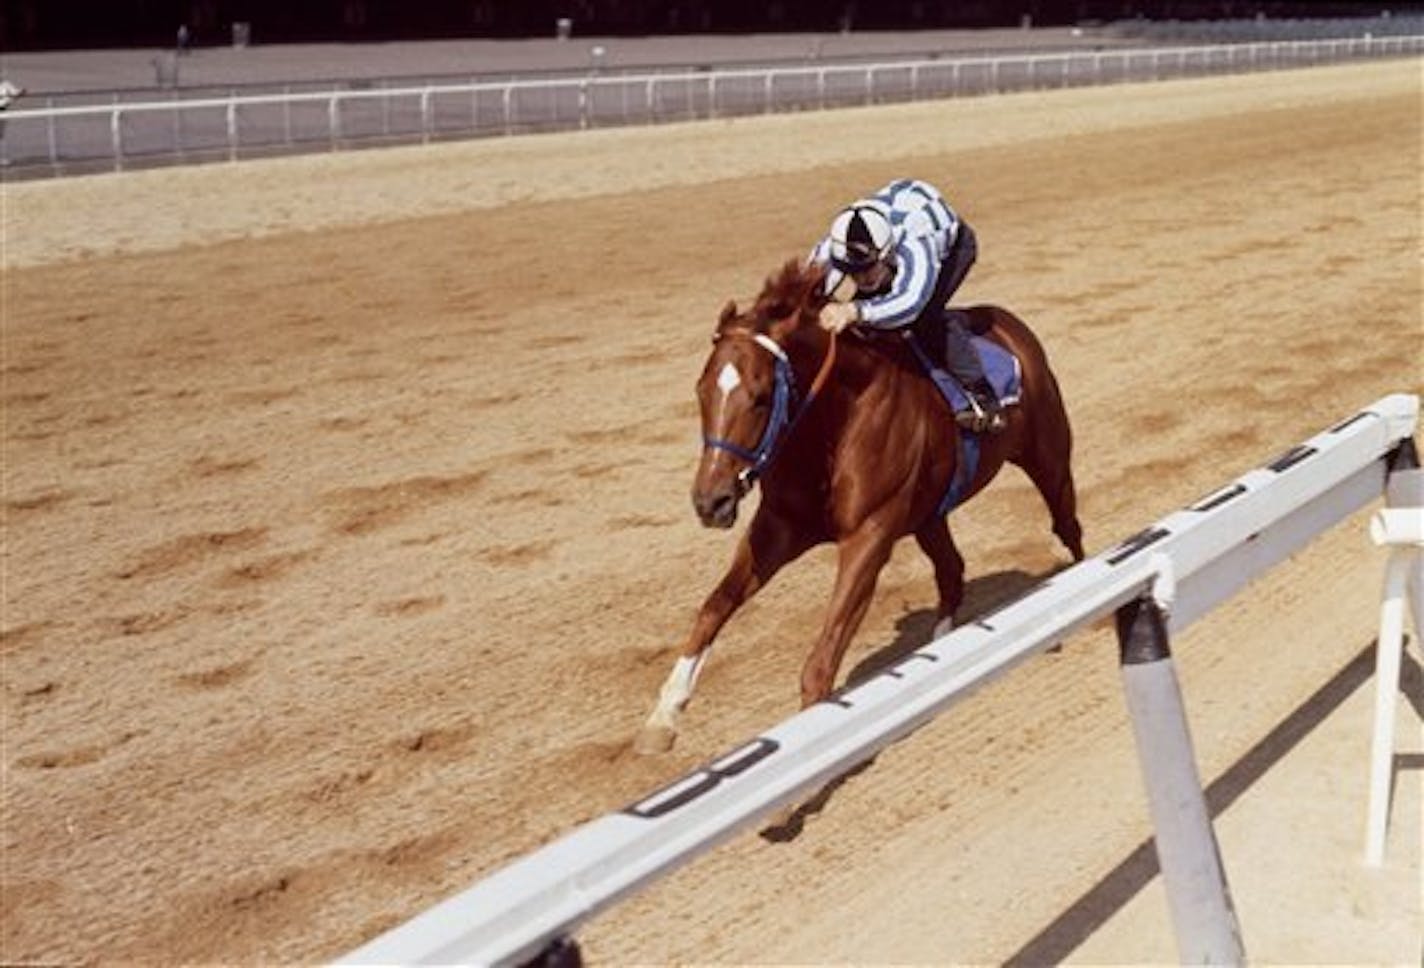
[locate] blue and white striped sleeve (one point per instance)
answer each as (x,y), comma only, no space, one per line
(910,292)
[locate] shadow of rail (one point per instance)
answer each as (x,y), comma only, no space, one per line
(1056,942)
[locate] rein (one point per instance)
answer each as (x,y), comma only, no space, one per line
(783,399)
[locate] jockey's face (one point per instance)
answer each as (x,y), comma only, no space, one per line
(873,277)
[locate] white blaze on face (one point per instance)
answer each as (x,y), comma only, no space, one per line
(729,379)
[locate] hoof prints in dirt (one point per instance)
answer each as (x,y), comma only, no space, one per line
(627,521)
(406,607)
(144,623)
(19,637)
(437,740)
(218,677)
(44,501)
(76,756)
(264,895)
(25,399)
(338,786)
(43,691)
(421,849)
(362,510)
(216,467)
(494,400)
(522,554)
(535,496)
(262,398)
(264,569)
(191,549)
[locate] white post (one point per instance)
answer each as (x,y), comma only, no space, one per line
(333,121)
(1400,528)
(1203,917)
(232,128)
(116,137)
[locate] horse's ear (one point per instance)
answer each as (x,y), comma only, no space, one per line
(729,313)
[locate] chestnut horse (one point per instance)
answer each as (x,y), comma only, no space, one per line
(863,459)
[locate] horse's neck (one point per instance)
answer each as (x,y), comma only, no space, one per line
(862,367)
(859,368)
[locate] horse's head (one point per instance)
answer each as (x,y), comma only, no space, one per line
(748,389)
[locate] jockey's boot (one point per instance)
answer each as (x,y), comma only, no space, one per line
(984,414)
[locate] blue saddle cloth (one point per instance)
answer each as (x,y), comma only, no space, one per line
(1002,370)
(1000,366)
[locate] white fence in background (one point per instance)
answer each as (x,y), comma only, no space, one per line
(57,140)
(1166,576)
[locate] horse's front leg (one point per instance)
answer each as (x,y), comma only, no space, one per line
(770,542)
(862,555)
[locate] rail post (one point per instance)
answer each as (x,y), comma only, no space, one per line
(52,137)
(116,136)
(1400,528)
(1203,917)
(333,120)
(232,127)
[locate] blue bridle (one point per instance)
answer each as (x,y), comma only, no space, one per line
(778,425)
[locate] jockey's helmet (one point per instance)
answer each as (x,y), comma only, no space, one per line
(861,235)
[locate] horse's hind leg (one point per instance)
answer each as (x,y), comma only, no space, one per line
(770,542)
(1047,460)
(937,543)
(1055,483)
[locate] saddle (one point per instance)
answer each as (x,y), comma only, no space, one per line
(1001,367)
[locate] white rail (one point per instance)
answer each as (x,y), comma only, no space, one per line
(1192,560)
(232,126)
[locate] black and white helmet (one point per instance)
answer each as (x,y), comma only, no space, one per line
(861,235)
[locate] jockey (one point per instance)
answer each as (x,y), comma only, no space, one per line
(906,252)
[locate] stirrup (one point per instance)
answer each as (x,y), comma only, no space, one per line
(979,421)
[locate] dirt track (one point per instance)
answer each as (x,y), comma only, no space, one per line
(342,563)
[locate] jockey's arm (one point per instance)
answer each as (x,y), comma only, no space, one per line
(916,271)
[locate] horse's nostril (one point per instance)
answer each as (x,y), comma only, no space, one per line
(718,508)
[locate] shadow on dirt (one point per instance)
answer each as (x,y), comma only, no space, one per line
(913,629)
(1058,940)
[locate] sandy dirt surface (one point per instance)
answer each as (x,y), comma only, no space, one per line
(347,536)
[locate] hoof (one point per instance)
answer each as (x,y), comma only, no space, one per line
(652,740)
(943,627)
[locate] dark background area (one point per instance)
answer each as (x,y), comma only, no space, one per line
(72,24)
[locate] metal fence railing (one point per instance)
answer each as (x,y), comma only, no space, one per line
(41,141)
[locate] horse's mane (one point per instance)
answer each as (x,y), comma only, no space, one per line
(792,290)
